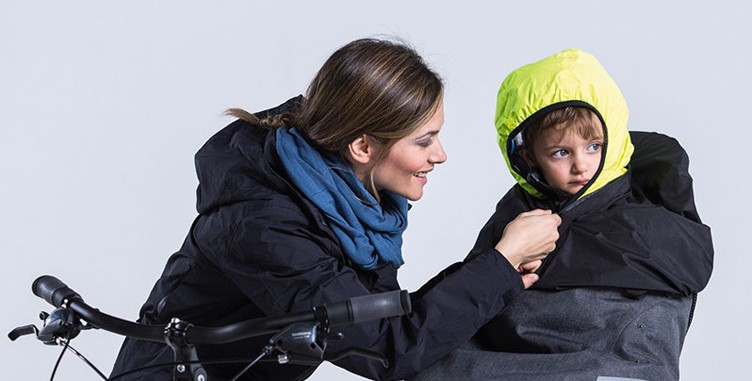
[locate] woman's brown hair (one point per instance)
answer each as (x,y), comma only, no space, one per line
(374,87)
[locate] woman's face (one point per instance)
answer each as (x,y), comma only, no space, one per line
(405,168)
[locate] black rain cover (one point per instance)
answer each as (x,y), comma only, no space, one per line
(641,231)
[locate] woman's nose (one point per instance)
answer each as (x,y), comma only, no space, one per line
(438,156)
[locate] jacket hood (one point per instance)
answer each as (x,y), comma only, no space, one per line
(569,78)
(234,166)
(240,162)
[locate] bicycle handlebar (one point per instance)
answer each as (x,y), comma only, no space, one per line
(355,310)
(368,307)
(52,290)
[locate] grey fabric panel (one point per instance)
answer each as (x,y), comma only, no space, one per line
(577,334)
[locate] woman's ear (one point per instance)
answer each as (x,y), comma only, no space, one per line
(361,153)
(361,150)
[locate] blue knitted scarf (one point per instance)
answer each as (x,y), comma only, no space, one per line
(369,232)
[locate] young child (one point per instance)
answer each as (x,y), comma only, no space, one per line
(615,298)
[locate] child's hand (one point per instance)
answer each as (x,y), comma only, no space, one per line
(529,267)
(527,272)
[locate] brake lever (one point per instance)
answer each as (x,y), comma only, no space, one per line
(27,329)
(305,344)
(301,339)
(61,323)
(22,331)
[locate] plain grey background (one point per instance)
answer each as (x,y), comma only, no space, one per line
(103,104)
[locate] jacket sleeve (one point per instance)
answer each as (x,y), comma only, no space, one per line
(659,175)
(285,265)
(508,208)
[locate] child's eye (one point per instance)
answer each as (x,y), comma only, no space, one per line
(595,147)
(560,153)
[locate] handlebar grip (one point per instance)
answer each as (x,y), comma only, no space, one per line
(369,307)
(52,290)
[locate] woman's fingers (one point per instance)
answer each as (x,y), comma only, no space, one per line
(529,237)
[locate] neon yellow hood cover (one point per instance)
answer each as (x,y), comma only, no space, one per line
(571,75)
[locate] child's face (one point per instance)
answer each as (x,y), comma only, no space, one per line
(566,160)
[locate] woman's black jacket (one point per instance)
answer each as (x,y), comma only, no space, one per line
(259,248)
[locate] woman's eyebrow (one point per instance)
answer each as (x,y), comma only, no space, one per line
(427,134)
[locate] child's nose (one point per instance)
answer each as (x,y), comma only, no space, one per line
(579,164)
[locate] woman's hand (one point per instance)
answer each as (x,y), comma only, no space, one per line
(529,238)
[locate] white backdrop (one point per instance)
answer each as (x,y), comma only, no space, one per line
(103,104)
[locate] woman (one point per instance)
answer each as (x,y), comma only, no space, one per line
(306,204)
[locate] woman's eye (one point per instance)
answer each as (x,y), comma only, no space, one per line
(425,143)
